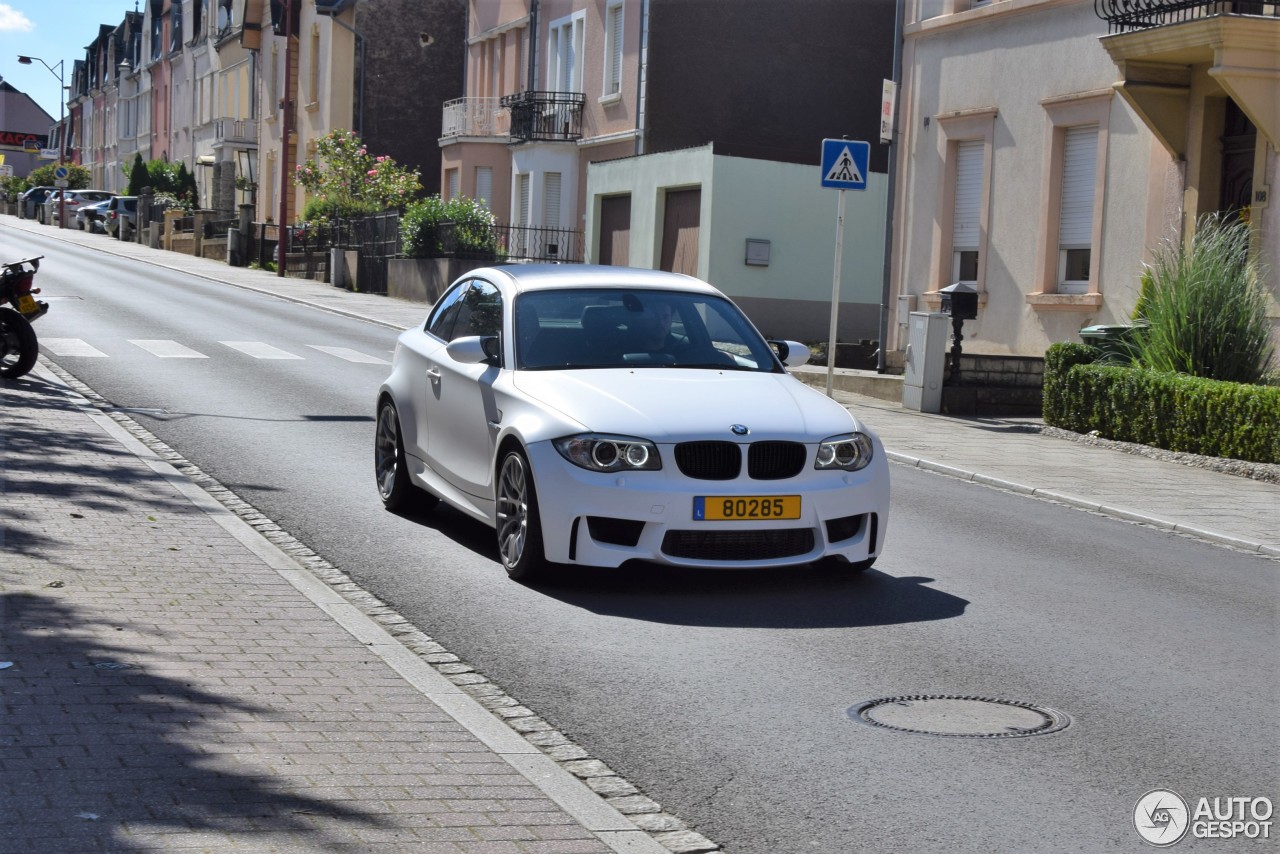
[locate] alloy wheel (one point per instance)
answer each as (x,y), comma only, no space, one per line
(513,509)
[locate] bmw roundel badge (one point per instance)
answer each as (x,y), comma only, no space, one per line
(739,429)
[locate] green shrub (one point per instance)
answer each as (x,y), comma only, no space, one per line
(326,209)
(1174,411)
(1205,307)
(421,231)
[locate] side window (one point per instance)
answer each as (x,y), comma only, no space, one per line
(480,312)
(441,321)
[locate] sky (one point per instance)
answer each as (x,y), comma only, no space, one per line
(55,31)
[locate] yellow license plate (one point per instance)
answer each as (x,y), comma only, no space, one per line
(27,304)
(745,508)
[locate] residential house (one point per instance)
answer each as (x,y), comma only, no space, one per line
(683,135)
(379,67)
(1205,80)
(1030,173)
(235,110)
(133,104)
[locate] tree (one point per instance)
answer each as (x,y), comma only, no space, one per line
(77,176)
(187,191)
(345,179)
(139,177)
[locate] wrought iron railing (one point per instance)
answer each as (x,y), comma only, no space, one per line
(545,116)
(1126,15)
(475,117)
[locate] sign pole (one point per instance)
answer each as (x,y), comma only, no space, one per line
(835,294)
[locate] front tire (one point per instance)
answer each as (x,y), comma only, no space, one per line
(519,526)
(395,488)
(18,345)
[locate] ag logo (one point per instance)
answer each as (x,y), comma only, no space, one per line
(1161,817)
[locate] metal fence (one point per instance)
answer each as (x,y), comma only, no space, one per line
(1127,15)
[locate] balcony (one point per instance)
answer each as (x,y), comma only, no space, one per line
(482,117)
(243,131)
(1124,16)
(545,116)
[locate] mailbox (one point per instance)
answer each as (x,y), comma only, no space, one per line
(960,301)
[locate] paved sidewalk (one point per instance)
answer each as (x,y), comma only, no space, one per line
(172,681)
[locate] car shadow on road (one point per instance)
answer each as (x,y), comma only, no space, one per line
(795,598)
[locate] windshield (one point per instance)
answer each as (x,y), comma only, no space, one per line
(617,327)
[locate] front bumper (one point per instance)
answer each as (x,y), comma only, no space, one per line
(604,520)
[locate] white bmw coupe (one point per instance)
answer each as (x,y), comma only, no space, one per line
(594,415)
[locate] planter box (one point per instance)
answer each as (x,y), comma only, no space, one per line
(425,279)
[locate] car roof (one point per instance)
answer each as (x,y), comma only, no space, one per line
(531,277)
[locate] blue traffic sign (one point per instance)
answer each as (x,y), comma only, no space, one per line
(844,164)
(61,172)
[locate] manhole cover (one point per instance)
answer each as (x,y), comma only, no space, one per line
(960,717)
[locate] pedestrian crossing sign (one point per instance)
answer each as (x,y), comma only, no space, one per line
(844,164)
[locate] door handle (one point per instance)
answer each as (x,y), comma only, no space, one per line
(434,373)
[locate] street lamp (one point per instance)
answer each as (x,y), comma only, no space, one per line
(62,127)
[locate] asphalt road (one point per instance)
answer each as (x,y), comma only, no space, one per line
(725,695)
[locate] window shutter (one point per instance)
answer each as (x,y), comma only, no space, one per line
(453,183)
(1079,169)
(484,185)
(522,215)
(615,50)
(551,200)
(968,201)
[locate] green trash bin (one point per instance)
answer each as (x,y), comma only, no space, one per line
(1114,340)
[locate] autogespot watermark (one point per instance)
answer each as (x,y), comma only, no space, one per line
(1163,818)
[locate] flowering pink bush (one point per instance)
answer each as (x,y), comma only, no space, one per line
(343,178)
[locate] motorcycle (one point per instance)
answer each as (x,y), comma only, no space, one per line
(18,345)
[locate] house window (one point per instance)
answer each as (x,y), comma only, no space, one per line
(273,80)
(551,200)
(1075,220)
(451,184)
(484,185)
(1071,189)
(313,71)
(966,218)
(613,50)
(175,28)
(564,54)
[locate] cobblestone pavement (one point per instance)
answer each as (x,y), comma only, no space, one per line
(174,680)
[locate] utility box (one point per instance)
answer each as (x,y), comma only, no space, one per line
(925,359)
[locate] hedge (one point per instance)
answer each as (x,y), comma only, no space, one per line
(1177,412)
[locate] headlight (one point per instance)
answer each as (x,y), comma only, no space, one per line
(609,453)
(849,452)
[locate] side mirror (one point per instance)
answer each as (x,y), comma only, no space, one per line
(792,353)
(475,349)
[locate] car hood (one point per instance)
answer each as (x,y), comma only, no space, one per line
(674,404)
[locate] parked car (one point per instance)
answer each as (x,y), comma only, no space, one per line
(121,210)
(74,199)
(594,415)
(89,217)
(32,200)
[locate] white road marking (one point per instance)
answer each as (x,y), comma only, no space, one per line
(259,350)
(350,355)
(166,349)
(71,347)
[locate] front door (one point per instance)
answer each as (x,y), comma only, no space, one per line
(1239,138)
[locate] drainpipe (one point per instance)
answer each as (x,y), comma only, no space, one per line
(641,77)
(286,127)
(892,177)
(533,46)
